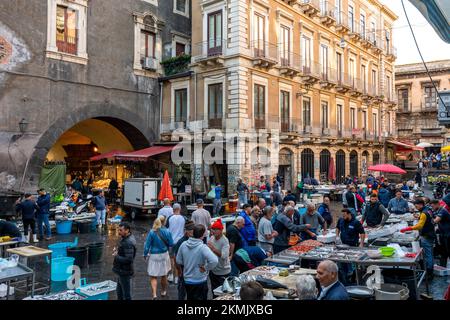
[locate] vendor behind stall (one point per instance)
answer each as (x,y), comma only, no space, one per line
(9,229)
(425,227)
(284,226)
(375,214)
(442,219)
(398,205)
(314,219)
(349,230)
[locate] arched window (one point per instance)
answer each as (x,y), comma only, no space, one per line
(353,163)
(376,158)
(340,166)
(307,159)
(325,156)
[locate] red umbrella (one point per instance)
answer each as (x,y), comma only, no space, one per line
(331,170)
(388,168)
(166,189)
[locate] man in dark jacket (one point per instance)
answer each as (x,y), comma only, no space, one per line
(352,202)
(43,202)
(332,289)
(384,195)
(113,186)
(28,208)
(123,261)
(375,214)
(284,226)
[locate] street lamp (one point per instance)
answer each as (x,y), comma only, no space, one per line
(23,124)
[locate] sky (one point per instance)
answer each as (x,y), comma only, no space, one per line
(431,46)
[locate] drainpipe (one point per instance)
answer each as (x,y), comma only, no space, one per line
(160,108)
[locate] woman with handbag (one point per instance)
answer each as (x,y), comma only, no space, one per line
(156,252)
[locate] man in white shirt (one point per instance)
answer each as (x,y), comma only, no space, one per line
(203,217)
(175,223)
(167,210)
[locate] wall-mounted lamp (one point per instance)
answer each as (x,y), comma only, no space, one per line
(23,125)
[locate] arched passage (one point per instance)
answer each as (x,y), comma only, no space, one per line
(325,157)
(307,159)
(353,164)
(376,158)
(127,125)
(285,166)
(340,166)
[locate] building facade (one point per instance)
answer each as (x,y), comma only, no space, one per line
(80,75)
(316,76)
(417,116)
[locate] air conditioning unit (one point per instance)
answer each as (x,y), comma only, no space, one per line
(149,64)
(308,129)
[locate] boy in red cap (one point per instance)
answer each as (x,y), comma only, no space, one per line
(220,246)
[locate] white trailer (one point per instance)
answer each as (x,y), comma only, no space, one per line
(140,195)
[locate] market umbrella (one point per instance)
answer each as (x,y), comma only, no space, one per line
(424,145)
(387,168)
(166,189)
(331,170)
(445,149)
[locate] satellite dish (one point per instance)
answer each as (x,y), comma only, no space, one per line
(342,44)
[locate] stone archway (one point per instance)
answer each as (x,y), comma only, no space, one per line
(132,126)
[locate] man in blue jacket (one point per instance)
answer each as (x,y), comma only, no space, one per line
(384,195)
(398,205)
(248,232)
(43,203)
(332,289)
(28,208)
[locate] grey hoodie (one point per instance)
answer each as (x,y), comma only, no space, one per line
(193,254)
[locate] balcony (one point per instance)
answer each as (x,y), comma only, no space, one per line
(343,83)
(327,78)
(176,65)
(391,53)
(310,8)
(209,53)
(364,39)
(377,44)
(356,89)
(367,93)
(169,124)
(310,72)
(290,64)
(353,33)
(328,14)
(391,100)
(342,25)
(264,54)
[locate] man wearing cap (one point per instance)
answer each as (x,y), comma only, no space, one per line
(427,234)
(43,202)
(220,246)
(202,216)
(188,233)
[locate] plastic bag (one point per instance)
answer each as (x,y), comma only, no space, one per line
(212,193)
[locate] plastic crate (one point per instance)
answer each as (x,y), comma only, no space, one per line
(441,271)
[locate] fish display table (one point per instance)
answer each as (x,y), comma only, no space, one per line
(15,274)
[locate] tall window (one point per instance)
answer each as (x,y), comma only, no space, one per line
(364,119)
(351,69)
(306,112)
(351,18)
(373,31)
(403,99)
(215,108)
(324,60)
(66,30)
(362,24)
(285,45)
(259,35)
(284,110)
(181,5)
(389,129)
(430,97)
(259,106)
(375,124)
(388,41)
(339,118)
(324,115)
(148,40)
(180,49)
(215,33)
(389,87)
(374,82)
(364,77)
(339,66)
(353,118)
(181,105)
(338,11)
(306,53)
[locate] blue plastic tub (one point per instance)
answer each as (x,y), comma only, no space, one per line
(64,227)
(62,268)
(59,249)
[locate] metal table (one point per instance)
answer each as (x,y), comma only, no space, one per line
(7,245)
(17,273)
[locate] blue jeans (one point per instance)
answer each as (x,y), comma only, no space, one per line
(101,216)
(427,246)
(123,288)
(43,219)
(242,199)
(217,206)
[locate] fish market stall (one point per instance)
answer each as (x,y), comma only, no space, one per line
(15,275)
